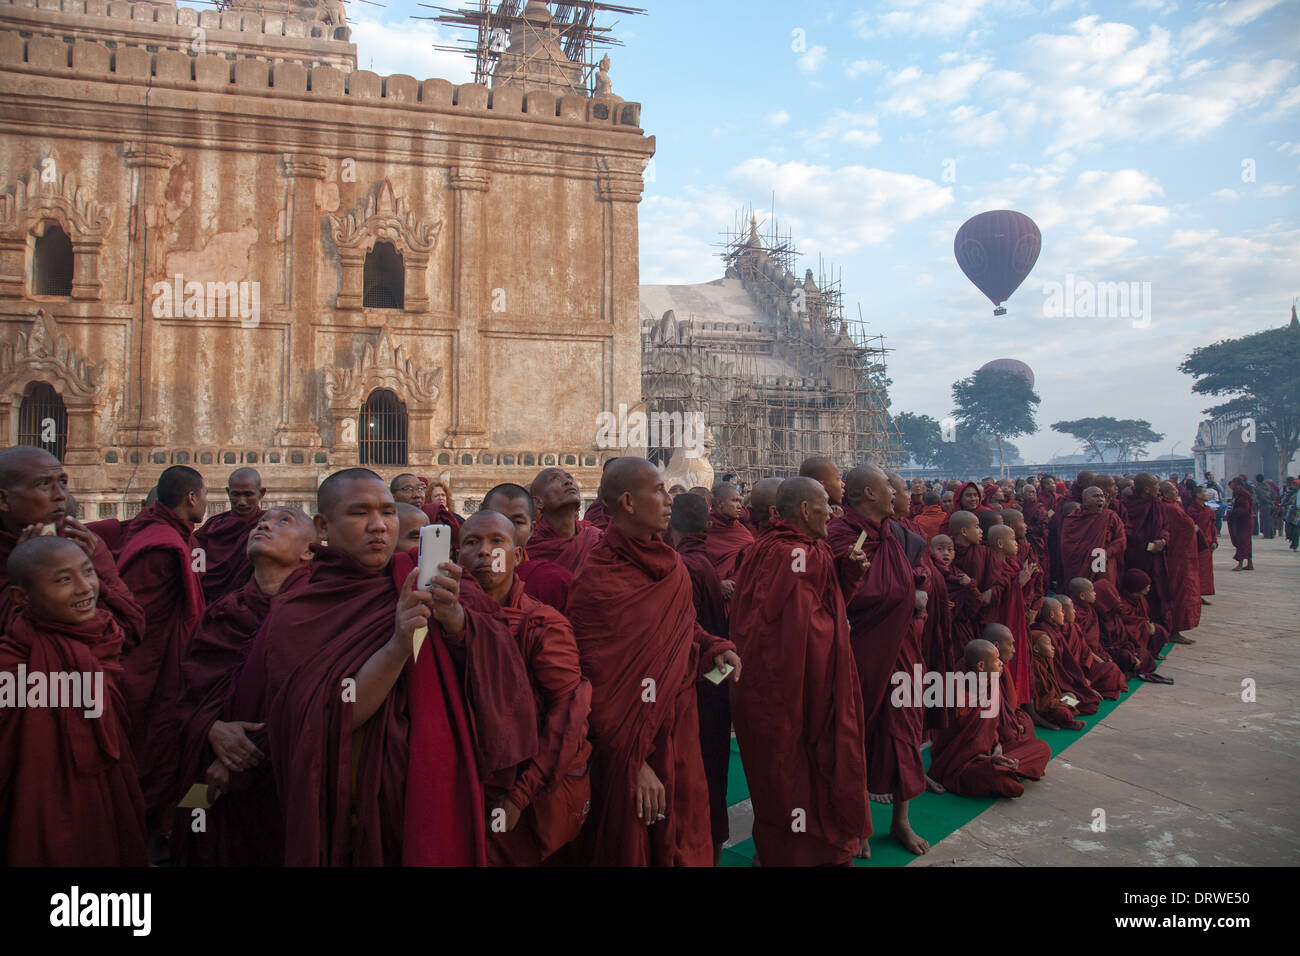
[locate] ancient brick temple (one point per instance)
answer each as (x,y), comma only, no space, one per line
(223,244)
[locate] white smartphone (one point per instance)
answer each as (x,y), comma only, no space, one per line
(435,548)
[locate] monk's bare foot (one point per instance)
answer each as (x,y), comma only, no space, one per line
(1205,603)
(1250,567)
(934,786)
(904,834)
(1075,725)
(864,850)
(881,797)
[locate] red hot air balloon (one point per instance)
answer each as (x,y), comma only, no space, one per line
(1011,365)
(997,250)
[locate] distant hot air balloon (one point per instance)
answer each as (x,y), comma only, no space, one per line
(1011,365)
(997,250)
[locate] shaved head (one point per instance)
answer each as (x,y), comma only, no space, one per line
(632,491)
(36,553)
(486,518)
(804,503)
(245,475)
(410,520)
(997,633)
(1146,484)
(690,514)
(762,498)
(245,491)
(623,476)
(1000,532)
(17,461)
(961,520)
(511,492)
(1079,586)
(334,488)
(824,470)
(867,491)
(1049,605)
(980,651)
(902,498)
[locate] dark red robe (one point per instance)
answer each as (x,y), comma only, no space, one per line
(964,624)
(915,504)
(68,790)
(155,563)
(1006,605)
(1183,567)
(553,787)
(961,757)
(546,544)
(798,707)
(545,580)
(643,650)
(885,635)
(1241,524)
(1144,521)
(1016,733)
(1047,692)
(1036,521)
(1072,658)
(441,514)
(597,515)
(1085,538)
(1106,677)
(929,520)
(1124,633)
(1203,516)
(727,542)
(224,540)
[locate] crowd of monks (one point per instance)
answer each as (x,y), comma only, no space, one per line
(277,690)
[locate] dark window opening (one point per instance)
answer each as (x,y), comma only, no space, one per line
(52,263)
(384,278)
(43,420)
(382,438)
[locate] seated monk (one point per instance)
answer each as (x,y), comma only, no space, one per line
(1126,634)
(931,516)
(886,620)
(789,623)
(1072,654)
(643,649)
(544,580)
(410,520)
(243,827)
(538,807)
(1015,724)
(1135,589)
(728,539)
(826,473)
(378,752)
(157,564)
(1048,707)
(223,538)
(68,790)
(558,535)
(1105,676)
(688,529)
(966,757)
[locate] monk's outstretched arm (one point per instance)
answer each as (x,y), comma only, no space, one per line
(380,672)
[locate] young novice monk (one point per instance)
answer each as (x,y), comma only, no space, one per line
(1010,610)
(1015,726)
(1047,688)
(963,595)
(1106,676)
(1072,653)
(68,789)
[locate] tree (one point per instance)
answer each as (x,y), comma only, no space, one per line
(1128,437)
(996,403)
(1261,373)
(920,437)
(971,456)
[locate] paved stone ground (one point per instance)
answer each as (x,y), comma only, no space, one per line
(1187,775)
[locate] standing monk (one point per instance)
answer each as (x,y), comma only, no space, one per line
(643,650)
(728,539)
(1208,542)
(558,535)
(1092,541)
(1240,525)
(539,806)
(1182,566)
(886,616)
(762,502)
(224,537)
(1148,537)
(827,473)
(931,516)
(544,580)
(798,714)
(156,564)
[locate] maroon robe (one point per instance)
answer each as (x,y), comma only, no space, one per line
(713,700)
(111,531)
(1032,590)
(798,706)
(1203,516)
(915,505)
(597,515)
(224,540)
(961,757)
(885,635)
(1036,522)
(1016,732)
(727,542)
(1047,692)
(155,563)
(966,608)
(553,787)
(1082,535)
(937,650)
(545,580)
(68,790)
(1071,664)
(546,544)
(1124,633)
(1145,521)
(643,650)
(244,827)
(1183,567)
(1241,524)
(1006,605)
(417,798)
(946,528)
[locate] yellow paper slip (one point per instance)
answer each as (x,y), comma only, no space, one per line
(196,798)
(417,641)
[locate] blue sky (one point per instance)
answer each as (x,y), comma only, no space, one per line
(1153,142)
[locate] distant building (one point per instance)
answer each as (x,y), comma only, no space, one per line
(1224,446)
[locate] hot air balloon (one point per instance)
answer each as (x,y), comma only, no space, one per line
(997,250)
(1011,365)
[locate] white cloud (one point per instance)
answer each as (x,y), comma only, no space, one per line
(919,18)
(913,91)
(779,118)
(407,47)
(845,126)
(1227,195)
(1272,190)
(812,61)
(859,67)
(1219,26)
(677,233)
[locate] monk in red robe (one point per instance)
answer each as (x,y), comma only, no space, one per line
(1036,521)
(826,473)
(1070,653)
(68,790)
(410,520)
(1208,540)
(1033,588)
(1148,541)
(728,539)
(964,604)
(916,497)
(1006,579)
(1181,565)
(33,498)
(157,564)
(902,513)
(1126,634)
(968,498)
(983,584)
(243,827)
(688,534)
(931,516)
(1015,723)
(798,713)
(1241,525)
(966,757)
(643,649)
(762,503)
(378,750)
(1083,639)
(886,619)
(558,535)
(1092,540)
(223,538)
(1048,705)
(539,807)
(544,580)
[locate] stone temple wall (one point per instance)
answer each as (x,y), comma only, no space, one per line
(515,212)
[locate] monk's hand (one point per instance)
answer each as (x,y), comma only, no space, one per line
(82,536)
(1151,628)
(217,777)
(986,596)
(922,599)
(963,579)
(413,610)
(859,557)
(651,798)
(728,589)
(511,814)
(1158,544)
(1009,762)
(31,531)
(732,658)
(445,589)
(1026,573)
(230,743)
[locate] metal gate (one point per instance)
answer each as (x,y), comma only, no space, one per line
(43,420)
(381,437)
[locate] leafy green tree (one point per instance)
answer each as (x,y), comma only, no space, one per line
(920,437)
(1261,373)
(1127,437)
(995,403)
